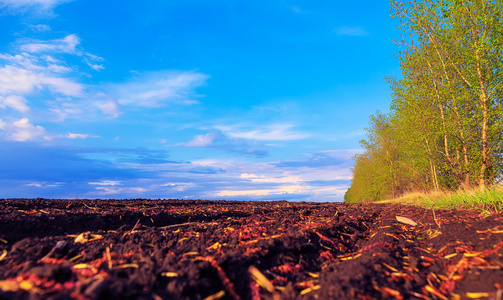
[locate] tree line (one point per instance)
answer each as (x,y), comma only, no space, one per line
(445,125)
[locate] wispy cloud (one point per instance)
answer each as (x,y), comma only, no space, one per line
(67,44)
(160,88)
(323,159)
(39,67)
(45,184)
(36,6)
(63,108)
(350,31)
(78,136)
(20,81)
(33,67)
(15,102)
(217,139)
(102,190)
(264,179)
(272,132)
(111,187)
(109,107)
(106,183)
(178,186)
(40,27)
(94,61)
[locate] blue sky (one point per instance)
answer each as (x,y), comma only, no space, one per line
(245,100)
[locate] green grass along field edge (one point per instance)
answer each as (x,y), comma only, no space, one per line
(487,201)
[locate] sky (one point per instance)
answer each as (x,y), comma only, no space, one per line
(193,99)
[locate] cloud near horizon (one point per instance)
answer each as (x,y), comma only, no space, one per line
(78,168)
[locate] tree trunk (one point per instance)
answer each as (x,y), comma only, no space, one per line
(485,122)
(433,168)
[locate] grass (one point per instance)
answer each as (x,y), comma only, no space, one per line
(487,201)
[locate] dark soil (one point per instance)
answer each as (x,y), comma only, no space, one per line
(174,249)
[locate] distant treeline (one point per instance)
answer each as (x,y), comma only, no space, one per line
(445,126)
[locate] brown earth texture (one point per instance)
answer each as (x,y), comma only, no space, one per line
(177,249)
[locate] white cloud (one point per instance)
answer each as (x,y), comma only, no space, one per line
(40,66)
(63,108)
(250,176)
(109,107)
(67,44)
(160,88)
(38,6)
(15,102)
(80,136)
(23,131)
(58,68)
(109,187)
(179,186)
(50,59)
(63,86)
(109,191)
(264,179)
(18,80)
(201,140)
(312,192)
(40,27)
(289,189)
(350,31)
(272,180)
(106,183)
(273,132)
(34,66)
(95,67)
(23,60)
(43,184)
(92,61)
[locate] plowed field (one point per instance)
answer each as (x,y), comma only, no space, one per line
(176,249)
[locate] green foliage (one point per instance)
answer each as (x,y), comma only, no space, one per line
(445,127)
